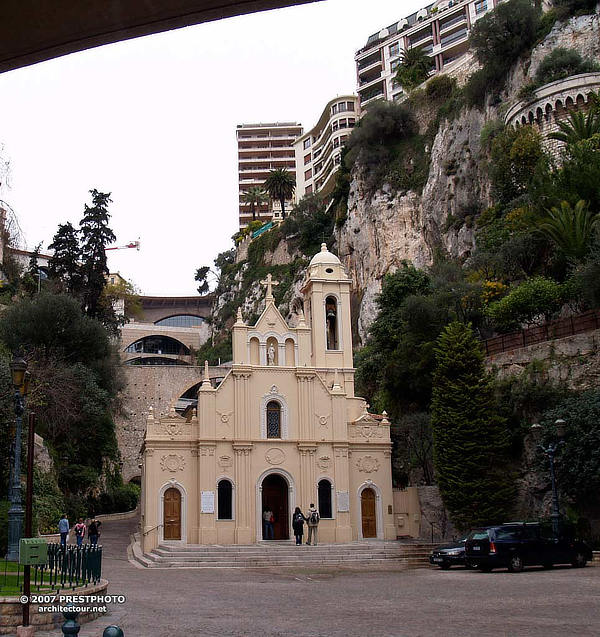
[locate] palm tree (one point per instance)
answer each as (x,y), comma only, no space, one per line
(280,184)
(571,230)
(414,67)
(254,196)
(578,127)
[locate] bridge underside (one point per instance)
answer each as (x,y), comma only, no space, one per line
(36,30)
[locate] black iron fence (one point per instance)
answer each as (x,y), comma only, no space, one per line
(547,332)
(70,567)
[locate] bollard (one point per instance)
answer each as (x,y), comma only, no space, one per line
(112,631)
(70,627)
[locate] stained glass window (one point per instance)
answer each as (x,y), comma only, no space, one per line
(273,420)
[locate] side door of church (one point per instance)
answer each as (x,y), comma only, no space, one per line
(172,514)
(367,510)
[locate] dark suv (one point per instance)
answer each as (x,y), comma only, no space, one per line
(519,544)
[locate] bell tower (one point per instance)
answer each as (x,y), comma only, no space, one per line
(327,305)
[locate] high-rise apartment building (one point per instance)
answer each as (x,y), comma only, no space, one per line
(262,148)
(318,152)
(442,29)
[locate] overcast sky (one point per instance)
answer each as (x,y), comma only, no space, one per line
(153,120)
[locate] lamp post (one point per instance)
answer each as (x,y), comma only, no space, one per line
(550,451)
(20,379)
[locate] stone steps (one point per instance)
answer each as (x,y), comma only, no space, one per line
(287,555)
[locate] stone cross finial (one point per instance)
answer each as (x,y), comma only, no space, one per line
(269,283)
(239,318)
(206,380)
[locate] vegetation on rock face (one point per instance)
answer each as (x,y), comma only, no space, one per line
(562,63)
(470,437)
(414,68)
(280,184)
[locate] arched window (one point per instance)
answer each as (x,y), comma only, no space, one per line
(273,420)
(331,322)
(225,500)
(325,509)
(181,320)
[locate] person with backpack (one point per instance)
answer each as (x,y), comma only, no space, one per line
(298,525)
(94,531)
(312,520)
(80,532)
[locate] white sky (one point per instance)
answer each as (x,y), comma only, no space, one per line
(153,120)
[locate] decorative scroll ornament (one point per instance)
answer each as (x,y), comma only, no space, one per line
(274,389)
(275,456)
(225,462)
(172,462)
(322,420)
(368,464)
(225,416)
(172,428)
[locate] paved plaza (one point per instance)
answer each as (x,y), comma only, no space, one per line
(420,602)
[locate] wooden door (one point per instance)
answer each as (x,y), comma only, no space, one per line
(172,517)
(367,511)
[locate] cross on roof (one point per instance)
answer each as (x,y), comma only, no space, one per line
(269,283)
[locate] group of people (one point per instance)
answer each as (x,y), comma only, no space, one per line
(80,529)
(312,519)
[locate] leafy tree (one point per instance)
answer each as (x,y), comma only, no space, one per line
(280,184)
(571,230)
(311,222)
(469,436)
(561,63)
(500,37)
(95,236)
(254,196)
(64,265)
(579,176)
(536,300)
(414,67)
(125,294)
(201,276)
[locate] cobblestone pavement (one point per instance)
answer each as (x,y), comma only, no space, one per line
(420,602)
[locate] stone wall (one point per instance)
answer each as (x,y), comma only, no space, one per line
(158,387)
(574,360)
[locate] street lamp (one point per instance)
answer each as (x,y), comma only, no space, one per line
(550,451)
(20,379)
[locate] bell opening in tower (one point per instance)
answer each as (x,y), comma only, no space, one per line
(331,322)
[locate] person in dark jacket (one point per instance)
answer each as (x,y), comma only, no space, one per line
(298,525)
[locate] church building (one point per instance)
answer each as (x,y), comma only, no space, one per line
(283,429)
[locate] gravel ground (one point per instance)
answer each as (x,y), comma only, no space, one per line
(420,602)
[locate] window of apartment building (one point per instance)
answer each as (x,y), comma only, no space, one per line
(481,6)
(307,159)
(351,122)
(336,142)
(307,143)
(334,109)
(335,126)
(308,174)
(308,189)
(350,106)
(395,50)
(394,65)
(337,160)
(343,123)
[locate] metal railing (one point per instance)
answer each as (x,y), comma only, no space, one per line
(549,331)
(70,567)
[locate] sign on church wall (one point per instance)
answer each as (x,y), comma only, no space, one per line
(343,501)
(207,501)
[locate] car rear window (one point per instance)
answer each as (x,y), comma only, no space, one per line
(507,534)
(478,535)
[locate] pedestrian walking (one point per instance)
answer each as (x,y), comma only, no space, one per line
(268,519)
(298,525)
(79,532)
(63,529)
(94,531)
(312,519)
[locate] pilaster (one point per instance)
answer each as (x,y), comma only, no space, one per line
(207,476)
(244,510)
(341,468)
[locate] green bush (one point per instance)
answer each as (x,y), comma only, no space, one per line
(440,87)
(476,88)
(561,63)
(48,502)
(536,300)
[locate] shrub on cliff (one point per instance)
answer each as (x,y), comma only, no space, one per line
(469,436)
(561,63)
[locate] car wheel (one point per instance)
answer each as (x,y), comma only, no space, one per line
(515,564)
(445,566)
(579,560)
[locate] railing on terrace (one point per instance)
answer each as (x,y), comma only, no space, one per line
(72,567)
(547,332)
(262,229)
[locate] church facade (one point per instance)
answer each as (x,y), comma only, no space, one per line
(283,429)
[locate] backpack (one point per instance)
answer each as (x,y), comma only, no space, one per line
(314,518)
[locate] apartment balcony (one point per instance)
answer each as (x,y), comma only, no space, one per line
(419,39)
(369,63)
(451,41)
(459,19)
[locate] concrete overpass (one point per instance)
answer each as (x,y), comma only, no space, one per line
(36,30)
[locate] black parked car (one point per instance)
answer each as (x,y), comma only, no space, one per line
(519,544)
(449,555)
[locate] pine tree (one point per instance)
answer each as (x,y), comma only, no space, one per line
(470,437)
(95,236)
(64,266)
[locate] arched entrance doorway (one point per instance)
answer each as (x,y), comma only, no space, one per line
(172,514)
(275,498)
(367,512)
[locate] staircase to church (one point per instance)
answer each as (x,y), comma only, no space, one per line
(282,554)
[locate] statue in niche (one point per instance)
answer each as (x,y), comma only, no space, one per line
(271,355)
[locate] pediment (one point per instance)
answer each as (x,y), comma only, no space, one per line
(271,321)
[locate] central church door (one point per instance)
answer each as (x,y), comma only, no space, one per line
(367,510)
(275,499)
(172,517)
